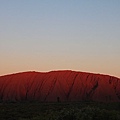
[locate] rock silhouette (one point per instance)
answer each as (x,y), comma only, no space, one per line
(59,86)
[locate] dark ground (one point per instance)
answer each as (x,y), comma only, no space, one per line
(59,111)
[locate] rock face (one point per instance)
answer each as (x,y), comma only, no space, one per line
(59,86)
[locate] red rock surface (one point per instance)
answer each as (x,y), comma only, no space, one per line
(65,85)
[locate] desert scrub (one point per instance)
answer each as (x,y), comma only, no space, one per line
(67,114)
(87,113)
(61,111)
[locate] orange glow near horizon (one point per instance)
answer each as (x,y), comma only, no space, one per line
(22,64)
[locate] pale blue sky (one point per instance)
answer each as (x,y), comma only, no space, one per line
(45,35)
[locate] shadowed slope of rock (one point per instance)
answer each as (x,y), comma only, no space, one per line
(65,85)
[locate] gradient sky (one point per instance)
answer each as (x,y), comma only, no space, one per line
(45,35)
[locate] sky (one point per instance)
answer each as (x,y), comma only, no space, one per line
(47,35)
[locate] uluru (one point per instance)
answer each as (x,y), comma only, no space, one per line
(64,85)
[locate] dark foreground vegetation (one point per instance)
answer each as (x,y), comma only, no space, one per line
(60,111)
